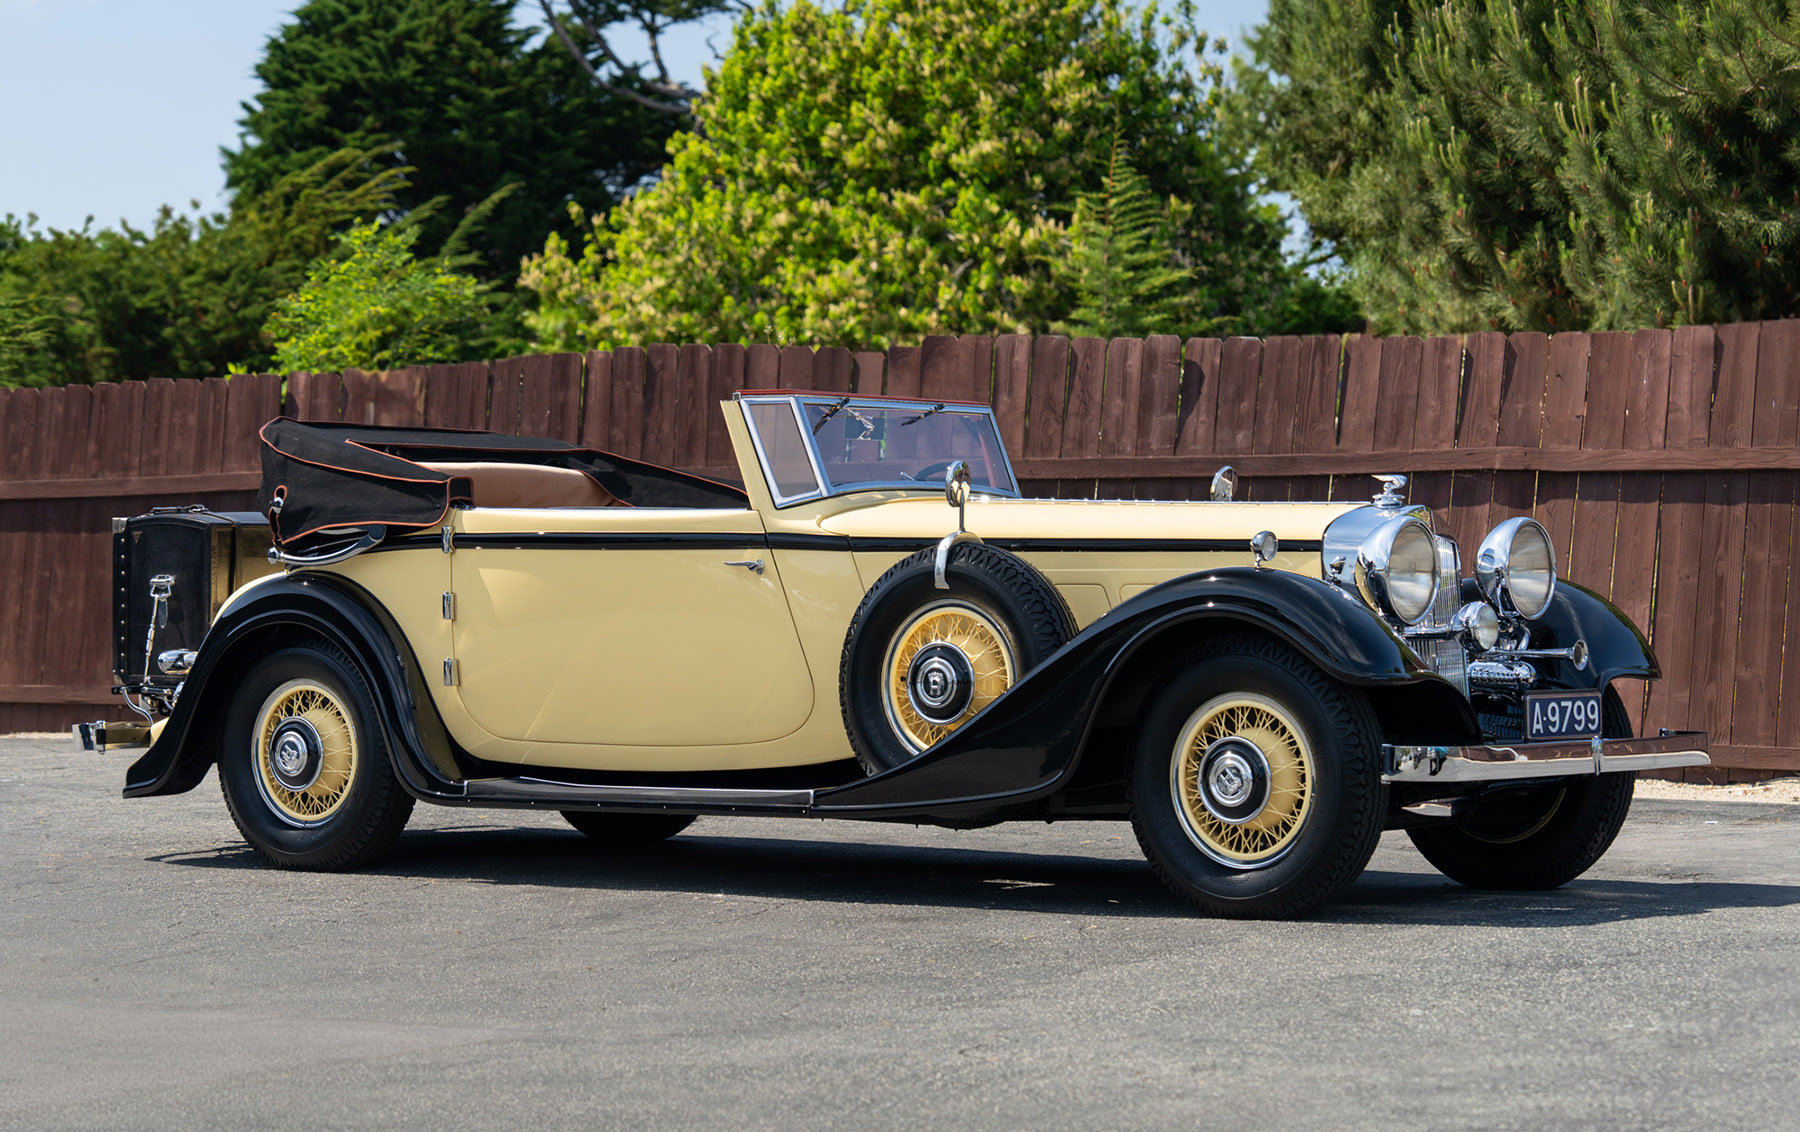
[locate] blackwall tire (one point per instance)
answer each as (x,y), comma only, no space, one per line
(304,767)
(1536,839)
(1256,785)
(920,662)
(623,830)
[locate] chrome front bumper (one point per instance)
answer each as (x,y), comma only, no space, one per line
(1495,763)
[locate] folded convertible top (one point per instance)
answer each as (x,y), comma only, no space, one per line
(332,477)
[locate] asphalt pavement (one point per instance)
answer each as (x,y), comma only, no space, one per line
(499,970)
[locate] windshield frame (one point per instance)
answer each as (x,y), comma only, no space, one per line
(797,403)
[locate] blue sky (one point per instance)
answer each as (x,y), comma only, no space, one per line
(115,107)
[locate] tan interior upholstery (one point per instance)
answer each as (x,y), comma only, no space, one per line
(528,485)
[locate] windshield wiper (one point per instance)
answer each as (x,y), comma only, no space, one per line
(938,408)
(836,407)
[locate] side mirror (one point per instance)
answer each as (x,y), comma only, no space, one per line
(956,489)
(1224,482)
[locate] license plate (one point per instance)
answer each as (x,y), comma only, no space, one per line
(1562,715)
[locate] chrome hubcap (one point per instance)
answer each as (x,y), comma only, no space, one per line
(1234,780)
(296,754)
(940,682)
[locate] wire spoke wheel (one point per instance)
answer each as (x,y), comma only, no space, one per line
(306,752)
(1242,779)
(947,663)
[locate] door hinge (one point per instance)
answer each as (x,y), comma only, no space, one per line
(449,605)
(449,539)
(452,675)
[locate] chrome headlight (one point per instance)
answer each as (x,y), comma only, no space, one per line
(1397,569)
(1516,567)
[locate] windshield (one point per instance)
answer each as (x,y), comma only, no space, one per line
(868,444)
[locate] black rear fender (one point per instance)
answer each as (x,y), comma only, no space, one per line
(301,608)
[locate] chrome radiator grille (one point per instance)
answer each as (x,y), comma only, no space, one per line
(1445,654)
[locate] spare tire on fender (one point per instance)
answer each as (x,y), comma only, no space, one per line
(919,661)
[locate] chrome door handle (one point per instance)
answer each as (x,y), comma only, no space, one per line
(755,564)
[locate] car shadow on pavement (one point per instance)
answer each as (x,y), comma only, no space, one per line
(781,868)
(961,875)
(1430,899)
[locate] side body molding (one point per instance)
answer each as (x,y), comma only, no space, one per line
(1029,741)
(318,606)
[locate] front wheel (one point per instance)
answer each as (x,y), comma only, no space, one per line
(1256,788)
(303,767)
(1534,838)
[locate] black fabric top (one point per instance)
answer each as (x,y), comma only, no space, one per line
(333,477)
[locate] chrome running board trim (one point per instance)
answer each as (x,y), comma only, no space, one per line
(1496,763)
(571,795)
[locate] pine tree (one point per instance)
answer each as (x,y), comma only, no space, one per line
(1539,164)
(1118,262)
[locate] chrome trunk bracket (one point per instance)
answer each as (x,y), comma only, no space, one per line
(279,557)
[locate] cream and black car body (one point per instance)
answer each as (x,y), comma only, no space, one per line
(1259,688)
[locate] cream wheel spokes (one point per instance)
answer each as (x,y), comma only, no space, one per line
(1242,778)
(306,752)
(947,662)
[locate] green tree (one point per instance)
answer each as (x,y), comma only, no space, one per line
(1118,262)
(1539,164)
(462,98)
(873,172)
(189,296)
(25,333)
(374,305)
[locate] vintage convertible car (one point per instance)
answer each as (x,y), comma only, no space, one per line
(1260,688)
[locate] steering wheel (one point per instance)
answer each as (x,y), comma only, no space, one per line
(929,470)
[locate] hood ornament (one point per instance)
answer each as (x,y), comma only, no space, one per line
(1390,491)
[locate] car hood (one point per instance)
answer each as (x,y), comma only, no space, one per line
(928,517)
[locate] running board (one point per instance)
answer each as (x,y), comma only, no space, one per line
(583,796)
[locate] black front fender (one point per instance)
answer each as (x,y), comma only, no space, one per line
(1031,739)
(296,607)
(1615,646)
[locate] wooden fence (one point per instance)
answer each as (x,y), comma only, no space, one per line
(1664,463)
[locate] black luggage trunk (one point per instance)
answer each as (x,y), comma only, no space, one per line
(205,554)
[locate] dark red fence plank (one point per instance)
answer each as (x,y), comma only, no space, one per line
(727,378)
(625,419)
(834,369)
(1277,407)
(1565,398)
(1679,557)
(662,402)
(693,375)
(1434,426)
(902,371)
(1012,386)
(871,368)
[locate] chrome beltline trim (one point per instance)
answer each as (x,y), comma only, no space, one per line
(1499,763)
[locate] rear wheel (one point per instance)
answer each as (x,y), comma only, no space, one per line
(1534,838)
(304,769)
(627,829)
(1256,787)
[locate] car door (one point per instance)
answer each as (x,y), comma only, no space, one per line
(628,626)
